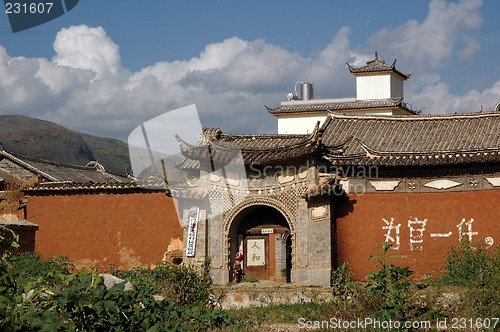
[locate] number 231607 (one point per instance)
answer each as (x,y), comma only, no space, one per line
(28,8)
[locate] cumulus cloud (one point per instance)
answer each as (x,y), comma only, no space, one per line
(432,42)
(83,47)
(86,87)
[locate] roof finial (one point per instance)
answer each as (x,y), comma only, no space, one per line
(376,55)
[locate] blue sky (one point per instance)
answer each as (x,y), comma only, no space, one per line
(107,66)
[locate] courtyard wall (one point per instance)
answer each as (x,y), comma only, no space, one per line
(365,221)
(98,229)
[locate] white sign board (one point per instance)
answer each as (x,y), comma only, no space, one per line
(267,231)
(191,235)
(256,252)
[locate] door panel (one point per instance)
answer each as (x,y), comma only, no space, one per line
(256,257)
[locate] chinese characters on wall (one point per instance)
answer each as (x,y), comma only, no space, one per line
(256,254)
(192,231)
(417,229)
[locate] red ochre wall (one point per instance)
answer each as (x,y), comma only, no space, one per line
(125,230)
(360,220)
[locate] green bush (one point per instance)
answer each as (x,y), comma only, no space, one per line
(29,268)
(38,295)
(343,287)
(475,271)
(391,287)
(89,306)
(469,265)
(182,285)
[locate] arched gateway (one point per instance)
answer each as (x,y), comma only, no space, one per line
(263,235)
(275,207)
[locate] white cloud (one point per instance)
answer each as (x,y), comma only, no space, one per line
(444,101)
(86,87)
(83,47)
(434,41)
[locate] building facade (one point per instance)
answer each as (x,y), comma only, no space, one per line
(308,202)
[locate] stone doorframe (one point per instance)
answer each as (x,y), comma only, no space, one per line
(233,214)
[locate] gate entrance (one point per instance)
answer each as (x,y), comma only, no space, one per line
(262,234)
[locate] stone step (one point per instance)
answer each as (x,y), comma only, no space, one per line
(264,293)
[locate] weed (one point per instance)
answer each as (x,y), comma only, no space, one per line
(476,271)
(342,283)
(469,265)
(391,286)
(37,295)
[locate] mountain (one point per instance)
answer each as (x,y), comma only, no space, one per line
(29,137)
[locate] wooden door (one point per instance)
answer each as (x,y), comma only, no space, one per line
(256,257)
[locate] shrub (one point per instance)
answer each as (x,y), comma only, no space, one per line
(182,285)
(469,265)
(38,295)
(391,286)
(475,270)
(28,268)
(343,287)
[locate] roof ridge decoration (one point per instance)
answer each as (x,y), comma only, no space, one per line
(96,165)
(377,66)
(210,134)
(209,151)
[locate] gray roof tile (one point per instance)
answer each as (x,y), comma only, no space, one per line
(373,140)
(340,106)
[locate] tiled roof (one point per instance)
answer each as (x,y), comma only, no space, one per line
(342,105)
(377,66)
(257,149)
(23,168)
(91,186)
(412,140)
(367,140)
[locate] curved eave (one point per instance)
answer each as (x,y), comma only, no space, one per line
(371,158)
(379,68)
(225,152)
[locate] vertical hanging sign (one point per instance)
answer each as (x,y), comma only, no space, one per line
(192,230)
